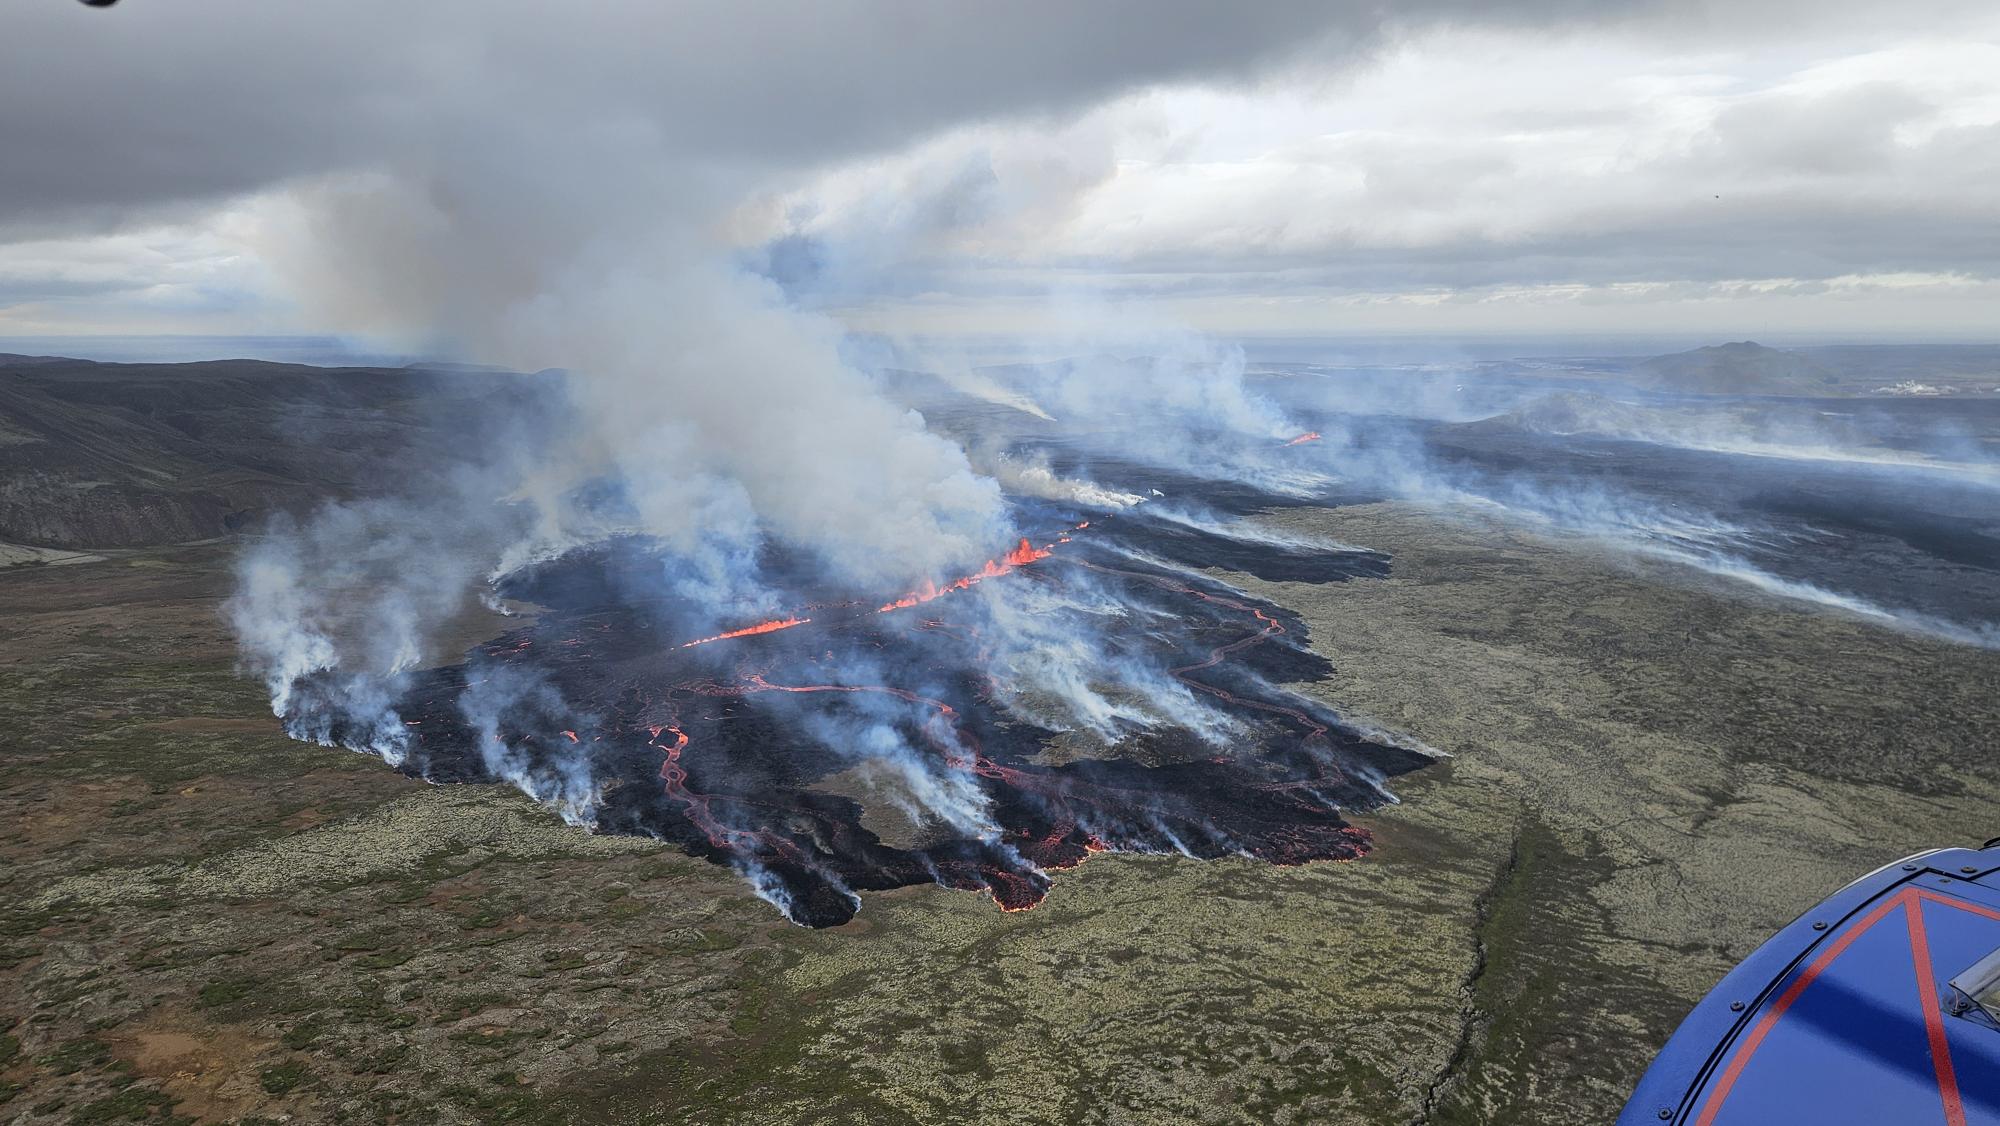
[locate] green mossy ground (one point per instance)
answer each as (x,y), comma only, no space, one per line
(203,921)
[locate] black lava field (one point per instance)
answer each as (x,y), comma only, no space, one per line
(724,744)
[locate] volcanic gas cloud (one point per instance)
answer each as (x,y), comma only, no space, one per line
(734,744)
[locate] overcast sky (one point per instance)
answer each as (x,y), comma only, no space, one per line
(203,166)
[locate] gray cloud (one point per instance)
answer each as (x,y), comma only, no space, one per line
(1469,162)
(155,102)
(151,107)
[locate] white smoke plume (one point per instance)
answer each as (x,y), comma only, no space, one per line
(1050,668)
(510,695)
(693,380)
(1364,453)
(356,595)
(1030,475)
(565,190)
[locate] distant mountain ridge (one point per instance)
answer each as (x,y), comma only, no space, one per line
(1744,367)
(97,455)
(1564,413)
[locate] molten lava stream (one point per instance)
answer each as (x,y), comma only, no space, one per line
(1308,436)
(734,841)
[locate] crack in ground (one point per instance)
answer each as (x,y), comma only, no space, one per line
(1471,1017)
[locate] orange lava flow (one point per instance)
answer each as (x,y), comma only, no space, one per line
(772,626)
(1308,436)
(1023,554)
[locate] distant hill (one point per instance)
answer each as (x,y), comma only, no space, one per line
(1567,412)
(1741,368)
(123,455)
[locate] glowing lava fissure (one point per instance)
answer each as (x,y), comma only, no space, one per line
(1019,556)
(1308,436)
(1023,554)
(740,763)
(772,626)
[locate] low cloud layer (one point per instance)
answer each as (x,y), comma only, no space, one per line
(1848,171)
(1285,167)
